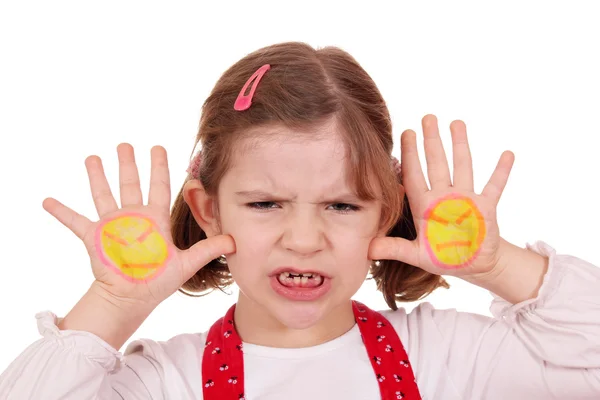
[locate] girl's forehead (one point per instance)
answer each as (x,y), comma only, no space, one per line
(290,160)
(276,138)
(289,148)
(277,133)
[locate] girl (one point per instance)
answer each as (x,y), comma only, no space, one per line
(295,197)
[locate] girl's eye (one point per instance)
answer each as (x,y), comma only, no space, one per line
(344,208)
(262,205)
(338,207)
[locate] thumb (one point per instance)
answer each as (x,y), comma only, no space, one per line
(204,252)
(394,248)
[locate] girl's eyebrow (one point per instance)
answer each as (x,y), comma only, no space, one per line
(255,193)
(346,196)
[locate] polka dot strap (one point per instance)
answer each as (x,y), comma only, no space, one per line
(223,361)
(386,352)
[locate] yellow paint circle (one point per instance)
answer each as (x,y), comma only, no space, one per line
(132,246)
(454,231)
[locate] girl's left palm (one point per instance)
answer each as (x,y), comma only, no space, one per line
(457,230)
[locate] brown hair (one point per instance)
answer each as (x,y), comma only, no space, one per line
(304,88)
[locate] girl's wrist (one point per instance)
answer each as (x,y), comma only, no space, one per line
(113,321)
(520,274)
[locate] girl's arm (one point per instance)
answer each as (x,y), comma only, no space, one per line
(77,364)
(546,347)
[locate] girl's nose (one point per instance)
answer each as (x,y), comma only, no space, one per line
(303,232)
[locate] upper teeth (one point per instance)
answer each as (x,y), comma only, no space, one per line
(291,274)
(303,277)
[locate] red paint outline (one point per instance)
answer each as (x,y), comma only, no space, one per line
(108,262)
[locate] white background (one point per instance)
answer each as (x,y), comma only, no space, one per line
(77,78)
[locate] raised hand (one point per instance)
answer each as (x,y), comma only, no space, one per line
(457,230)
(131,251)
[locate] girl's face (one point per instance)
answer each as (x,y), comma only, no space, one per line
(290,210)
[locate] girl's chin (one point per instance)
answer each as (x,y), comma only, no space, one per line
(295,314)
(306,315)
(298,315)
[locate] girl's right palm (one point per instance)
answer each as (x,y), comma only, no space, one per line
(131,251)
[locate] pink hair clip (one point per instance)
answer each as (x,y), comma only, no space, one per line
(397,167)
(194,168)
(243,102)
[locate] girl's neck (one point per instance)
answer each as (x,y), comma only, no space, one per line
(256,326)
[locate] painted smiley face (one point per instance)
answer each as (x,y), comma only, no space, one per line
(132,246)
(454,231)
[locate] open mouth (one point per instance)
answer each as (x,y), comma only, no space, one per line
(305,286)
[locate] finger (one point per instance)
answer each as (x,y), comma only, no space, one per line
(160,181)
(437,164)
(394,248)
(129,179)
(76,223)
(413,179)
(495,186)
(204,252)
(461,153)
(101,193)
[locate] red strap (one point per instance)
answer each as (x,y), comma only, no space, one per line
(387,355)
(223,360)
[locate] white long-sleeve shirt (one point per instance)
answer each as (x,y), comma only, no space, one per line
(543,348)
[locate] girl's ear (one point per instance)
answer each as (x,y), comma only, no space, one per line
(202,206)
